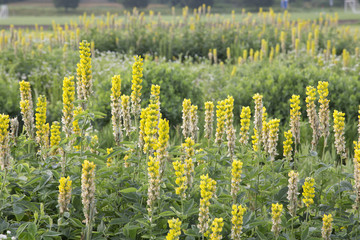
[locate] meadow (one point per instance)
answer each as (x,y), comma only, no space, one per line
(188,126)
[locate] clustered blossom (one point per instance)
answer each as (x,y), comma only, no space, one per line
(324,108)
(84,73)
(55,136)
(265,130)
(235,178)
(208,188)
(216,229)
(4,141)
(181,179)
(64,194)
(116,108)
(154,184)
(188,149)
(42,128)
(237,212)
(288,145)
(276,211)
(151,124)
(209,119)
(245,124)
(220,124)
(293,192)
(194,121)
(308,191)
(143,117)
(357,174)
(339,130)
(137,74)
(109,159)
(255,140)
(163,141)
(312,115)
(175,229)
(273,137)
(68,105)
(327,227)
(88,190)
(26,106)
(295,117)
(230,131)
(258,112)
(125,110)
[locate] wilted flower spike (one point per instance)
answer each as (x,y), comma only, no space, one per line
(324,108)
(26,106)
(209,119)
(312,115)
(293,192)
(273,137)
(186,117)
(295,117)
(88,190)
(154,184)
(339,130)
(125,109)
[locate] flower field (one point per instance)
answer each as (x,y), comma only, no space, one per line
(196,126)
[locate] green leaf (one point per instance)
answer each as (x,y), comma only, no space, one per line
(19,212)
(32,228)
(305,233)
(26,236)
(260,235)
(166,214)
(128,190)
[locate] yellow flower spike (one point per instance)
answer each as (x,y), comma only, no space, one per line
(154,184)
(142,135)
(235,178)
(175,229)
(295,117)
(288,145)
(276,211)
(4,141)
(273,137)
(75,123)
(180,178)
(88,190)
(162,143)
(312,115)
(125,109)
(137,74)
(42,128)
(109,160)
(116,108)
(339,130)
(84,73)
(55,135)
(209,119)
(64,194)
(216,229)
(151,125)
(26,106)
(245,124)
(255,141)
(327,227)
(237,212)
(220,125)
(258,113)
(308,191)
(68,105)
(207,191)
(324,109)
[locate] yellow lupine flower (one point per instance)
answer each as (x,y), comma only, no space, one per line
(84,73)
(208,188)
(209,118)
(137,74)
(255,140)
(4,141)
(175,229)
(143,117)
(88,190)
(116,108)
(308,191)
(327,227)
(64,193)
(276,211)
(151,125)
(221,117)
(235,178)
(288,145)
(258,114)
(125,109)
(216,229)
(42,128)
(68,105)
(162,143)
(295,117)
(237,212)
(180,178)
(245,124)
(339,130)
(109,160)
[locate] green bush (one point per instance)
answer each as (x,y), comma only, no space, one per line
(134,3)
(66,4)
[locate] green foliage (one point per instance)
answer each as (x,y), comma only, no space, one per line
(66,3)
(134,3)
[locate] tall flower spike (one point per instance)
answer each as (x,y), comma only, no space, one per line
(220,122)
(245,124)
(42,128)
(339,130)
(194,122)
(216,229)
(175,229)
(84,73)
(208,188)
(137,74)
(312,115)
(295,117)
(154,184)
(116,108)
(151,131)
(255,140)
(237,212)
(186,117)
(324,109)
(288,145)
(14,129)
(68,105)
(265,130)
(308,191)
(125,109)
(188,149)
(55,136)
(327,227)
(293,192)
(258,112)
(276,210)
(230,131)
(88,190)
(235,178)
(209,119)
(26,106)
(357,174)
(359,124)
(64,194)
(162,144)
(181,179)
(4,141)
(155,98)
(273,137)
(143,117)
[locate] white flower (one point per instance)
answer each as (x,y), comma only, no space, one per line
(8,232)
(2,236)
